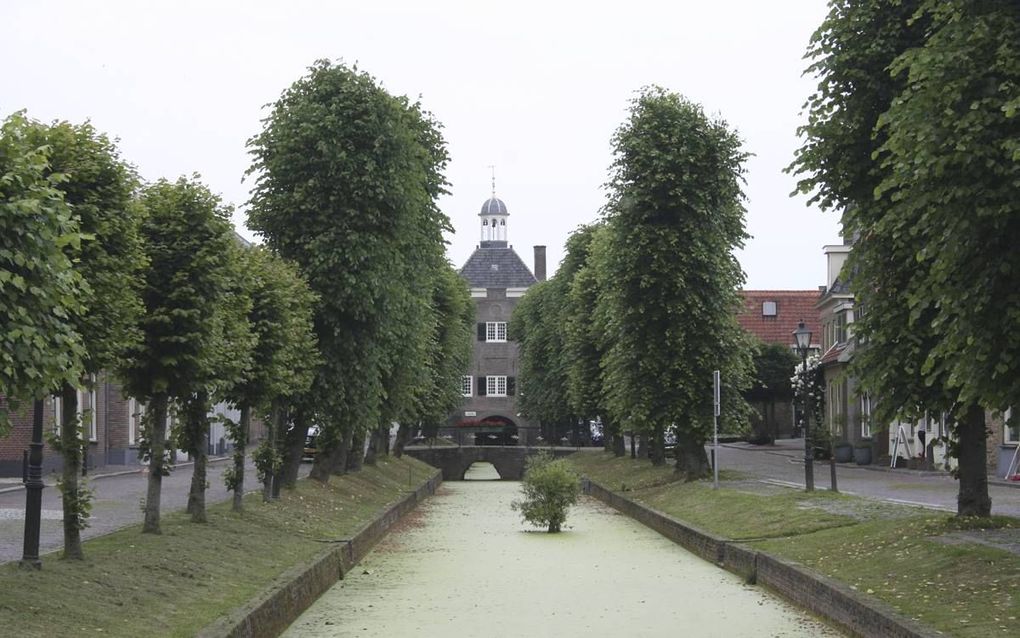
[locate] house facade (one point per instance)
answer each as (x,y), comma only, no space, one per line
(772,316)
(497,278)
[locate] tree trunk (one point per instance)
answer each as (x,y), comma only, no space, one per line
(275,412)
(155,428)
(403,434)
(375,445)
(633,444)
(691,458)
(619,445)
(198,448)
(343,452)
(71,449)
(239,446)
(356,455)
(658,447)
(295,444)
(326,450)
(972,435)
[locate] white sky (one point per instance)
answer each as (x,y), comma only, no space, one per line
(535,88)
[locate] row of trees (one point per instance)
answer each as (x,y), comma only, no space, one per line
(914,135)
(346,182)
(147,283)
(643,307)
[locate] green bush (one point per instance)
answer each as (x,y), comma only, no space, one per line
(550,487)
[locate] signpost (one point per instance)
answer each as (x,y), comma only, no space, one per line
(715,428)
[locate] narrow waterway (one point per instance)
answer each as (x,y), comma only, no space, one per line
(465,565)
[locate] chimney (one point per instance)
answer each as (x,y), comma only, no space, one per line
(540,263)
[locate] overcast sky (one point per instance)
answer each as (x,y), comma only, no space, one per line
(534,88)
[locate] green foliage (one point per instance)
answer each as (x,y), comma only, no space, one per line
(77,503)
(40,291)
(774,364)
(188,240)
(268,461)
(346,181)
(927,92)
(100,187)
(536,325)
(549,488)
(669,274)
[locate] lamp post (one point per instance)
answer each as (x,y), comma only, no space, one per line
(33,491)
(802,339)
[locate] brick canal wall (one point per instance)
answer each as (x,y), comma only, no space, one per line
(272,611)
(833,601)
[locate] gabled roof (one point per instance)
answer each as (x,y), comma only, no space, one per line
(496,268)
(792,306)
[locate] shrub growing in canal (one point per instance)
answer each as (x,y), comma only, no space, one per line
(550,487)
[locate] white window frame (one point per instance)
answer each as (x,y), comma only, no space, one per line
(467,385)
(866,416)
(495,331)
(495,386)
(1008,436)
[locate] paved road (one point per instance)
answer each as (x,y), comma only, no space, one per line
(116,505)
(783,463)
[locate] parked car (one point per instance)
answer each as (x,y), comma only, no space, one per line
(310,447)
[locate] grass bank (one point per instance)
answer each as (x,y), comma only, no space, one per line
(953,576)
(176,583)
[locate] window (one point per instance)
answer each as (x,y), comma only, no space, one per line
(768,309)
(495,386)
(467,385)
(86,414)
(866,416)
(1012,429)
(136,409)
(495,331)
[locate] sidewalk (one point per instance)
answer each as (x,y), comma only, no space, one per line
(119,492)
(783,464)
(15,483)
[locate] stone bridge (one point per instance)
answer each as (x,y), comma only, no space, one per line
(454,461)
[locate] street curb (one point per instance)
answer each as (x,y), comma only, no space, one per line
(837,603)
(270,612)
(141,468)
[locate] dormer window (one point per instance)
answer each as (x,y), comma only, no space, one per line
(769,309)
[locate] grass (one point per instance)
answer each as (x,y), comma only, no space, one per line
(928,566)
(176,583)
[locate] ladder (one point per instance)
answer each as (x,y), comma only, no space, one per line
(901,435)
(1012,471)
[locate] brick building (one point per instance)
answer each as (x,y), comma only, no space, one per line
(497,278)
(772,316)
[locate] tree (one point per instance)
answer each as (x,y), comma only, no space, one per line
(227,366)
(283,358)
(99,187)
(188,239)
(40,291)
(774,364)
(549,487)
(346,181)
(670,277)
(931,206)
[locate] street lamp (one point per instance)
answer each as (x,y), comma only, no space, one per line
(802,339)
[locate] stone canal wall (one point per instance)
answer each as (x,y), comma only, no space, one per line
(272,611)
(834,601)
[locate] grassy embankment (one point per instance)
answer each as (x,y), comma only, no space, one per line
(927,565)
(174,584)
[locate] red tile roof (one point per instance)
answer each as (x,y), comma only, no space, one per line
(791,307)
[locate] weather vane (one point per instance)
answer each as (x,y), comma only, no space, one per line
(492,167)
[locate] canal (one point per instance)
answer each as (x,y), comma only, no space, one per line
(465,565)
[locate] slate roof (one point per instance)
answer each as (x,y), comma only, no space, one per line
(493,206)
(791,307)
(490,267)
